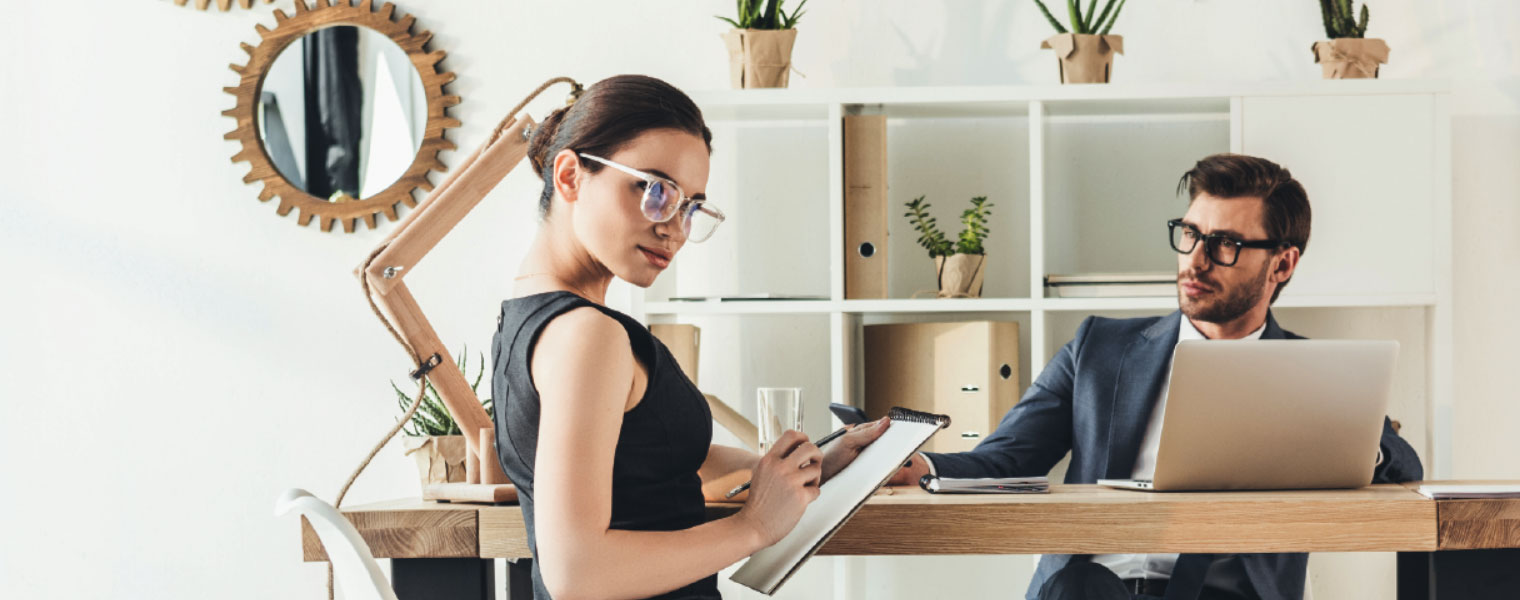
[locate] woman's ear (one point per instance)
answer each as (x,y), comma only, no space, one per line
(567,174)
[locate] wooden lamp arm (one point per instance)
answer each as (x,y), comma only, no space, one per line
(399,253)
(445,207)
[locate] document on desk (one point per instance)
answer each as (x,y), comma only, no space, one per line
(985,485)
(1467,492)
(839,498)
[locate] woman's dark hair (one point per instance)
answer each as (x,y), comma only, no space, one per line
(1286,215)
(608,115)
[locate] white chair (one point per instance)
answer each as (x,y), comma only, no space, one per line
(354,567)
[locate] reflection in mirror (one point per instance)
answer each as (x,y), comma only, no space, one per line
(342,113)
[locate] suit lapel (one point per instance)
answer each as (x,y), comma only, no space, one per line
(1273,332)
(1141,370)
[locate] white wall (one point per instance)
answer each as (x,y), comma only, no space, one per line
(175,354)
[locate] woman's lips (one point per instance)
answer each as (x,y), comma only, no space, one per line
(655,258)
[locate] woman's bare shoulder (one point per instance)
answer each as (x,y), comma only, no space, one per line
(580,341)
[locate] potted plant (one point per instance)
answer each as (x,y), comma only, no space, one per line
(958,266)
(1348,54)
(1087,50)
(432,437)
(760,44)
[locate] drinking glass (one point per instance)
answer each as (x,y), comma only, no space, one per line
(780,409)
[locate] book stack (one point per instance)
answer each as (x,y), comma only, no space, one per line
(1111,285)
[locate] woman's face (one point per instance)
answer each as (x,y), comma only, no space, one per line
(606,216)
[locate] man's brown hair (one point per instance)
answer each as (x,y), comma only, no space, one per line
(1285,214)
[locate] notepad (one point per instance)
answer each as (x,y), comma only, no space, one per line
(986,485)
(839,498)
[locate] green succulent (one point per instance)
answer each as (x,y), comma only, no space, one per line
(975,221)
(932,239)
(1092,22)
(764,14)
(432,417)
(1340,21)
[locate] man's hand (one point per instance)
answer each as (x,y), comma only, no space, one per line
(910,474)
(841,452)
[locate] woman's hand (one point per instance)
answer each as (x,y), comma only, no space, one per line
(784,482)
(843,451)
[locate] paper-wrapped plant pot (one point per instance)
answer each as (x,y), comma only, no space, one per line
(759,58)
(960,275)
(440,458)
(1351,58)
(1085,58)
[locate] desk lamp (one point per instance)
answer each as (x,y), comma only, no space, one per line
(382,278)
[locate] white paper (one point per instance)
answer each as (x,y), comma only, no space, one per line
(1470,491)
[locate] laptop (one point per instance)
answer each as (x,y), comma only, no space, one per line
(1272,415)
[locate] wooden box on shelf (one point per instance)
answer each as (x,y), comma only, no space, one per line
(967,370)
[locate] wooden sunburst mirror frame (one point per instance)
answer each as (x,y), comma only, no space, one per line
(225,5)
(289,29)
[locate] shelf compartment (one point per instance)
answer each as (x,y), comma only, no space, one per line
(950,161)
(773,184)
(1111,185)
(738,355)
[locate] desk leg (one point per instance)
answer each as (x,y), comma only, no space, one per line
(443,578)
(520,579)
(1459,575)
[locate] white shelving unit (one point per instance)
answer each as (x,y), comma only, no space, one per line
(1081,178)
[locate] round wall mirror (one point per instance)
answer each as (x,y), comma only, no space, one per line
(341,113)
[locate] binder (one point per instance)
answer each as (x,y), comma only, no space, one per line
(839,498)
(865,206)
(967,370)
(684,342)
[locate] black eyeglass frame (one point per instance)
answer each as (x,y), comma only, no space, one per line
(1208,243)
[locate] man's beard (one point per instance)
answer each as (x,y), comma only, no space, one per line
(1234,304)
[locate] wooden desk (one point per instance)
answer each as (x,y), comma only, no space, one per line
(424,537)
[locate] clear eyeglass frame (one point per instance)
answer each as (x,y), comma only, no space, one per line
(660,204)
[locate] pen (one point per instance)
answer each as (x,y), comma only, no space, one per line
(826,439)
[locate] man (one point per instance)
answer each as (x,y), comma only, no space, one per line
(1102,397)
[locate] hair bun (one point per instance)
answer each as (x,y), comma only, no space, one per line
(543,138)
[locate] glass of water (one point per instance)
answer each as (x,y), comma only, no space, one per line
(779,409)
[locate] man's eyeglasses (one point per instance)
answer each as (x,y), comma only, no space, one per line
(663,200)
(1222,250)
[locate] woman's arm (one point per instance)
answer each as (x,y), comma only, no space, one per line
(584,369)
(726,467)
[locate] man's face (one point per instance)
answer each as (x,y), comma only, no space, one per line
(1218,294)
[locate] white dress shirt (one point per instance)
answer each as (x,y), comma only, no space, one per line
(1155,566)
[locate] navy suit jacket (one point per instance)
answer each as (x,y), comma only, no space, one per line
(1094,400)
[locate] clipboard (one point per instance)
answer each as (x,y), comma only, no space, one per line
(839,499)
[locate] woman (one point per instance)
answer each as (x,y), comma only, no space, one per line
(605,438)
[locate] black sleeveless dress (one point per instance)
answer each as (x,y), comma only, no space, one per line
(663,441)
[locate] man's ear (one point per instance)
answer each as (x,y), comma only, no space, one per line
(567,174)
(1287,263)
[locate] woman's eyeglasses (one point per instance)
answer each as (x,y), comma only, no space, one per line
(663,200)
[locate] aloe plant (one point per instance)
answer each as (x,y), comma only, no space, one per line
(432,417)
(764,14)
(933,240)
(1340,21)
(1091,22)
